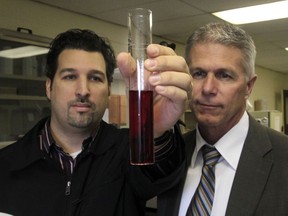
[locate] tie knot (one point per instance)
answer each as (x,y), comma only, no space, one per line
(210,155)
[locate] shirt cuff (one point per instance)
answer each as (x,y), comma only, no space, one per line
(164,145)
(169,155)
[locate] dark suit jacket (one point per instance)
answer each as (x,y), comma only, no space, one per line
(260,185)
(103,182)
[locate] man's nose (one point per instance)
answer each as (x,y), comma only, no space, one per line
(210,84)
(83,87)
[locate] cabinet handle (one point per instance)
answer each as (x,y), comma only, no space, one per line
(20,29)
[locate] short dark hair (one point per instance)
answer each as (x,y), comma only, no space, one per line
(83,40)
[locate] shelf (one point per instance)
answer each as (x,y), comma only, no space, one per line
(19,87)
(22,97)
(21,77)
(5,143)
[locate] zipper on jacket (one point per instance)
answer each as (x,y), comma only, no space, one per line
(68,188)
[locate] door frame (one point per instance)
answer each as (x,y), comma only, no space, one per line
(285,111)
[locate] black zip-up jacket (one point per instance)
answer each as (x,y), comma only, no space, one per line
(103,182)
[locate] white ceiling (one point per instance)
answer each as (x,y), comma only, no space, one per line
(175,20)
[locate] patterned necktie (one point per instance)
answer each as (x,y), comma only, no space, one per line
(201,203)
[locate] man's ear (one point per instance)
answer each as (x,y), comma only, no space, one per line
(250,85)
(48,88)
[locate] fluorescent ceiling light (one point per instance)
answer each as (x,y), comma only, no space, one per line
(257,13)
(22,52)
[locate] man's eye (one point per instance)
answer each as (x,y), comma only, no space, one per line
(224,75)
(198,74)
(69,77)
(96,78)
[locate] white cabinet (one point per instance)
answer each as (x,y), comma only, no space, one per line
(269,118)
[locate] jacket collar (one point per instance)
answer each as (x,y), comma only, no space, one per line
(27,149)
(108,136)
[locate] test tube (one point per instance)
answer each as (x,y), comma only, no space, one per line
(140,92)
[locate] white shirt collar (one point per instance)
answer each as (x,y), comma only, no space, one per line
(230,145)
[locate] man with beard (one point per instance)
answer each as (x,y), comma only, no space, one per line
(74,163)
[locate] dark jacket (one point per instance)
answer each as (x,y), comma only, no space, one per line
(103,182)
(260,186)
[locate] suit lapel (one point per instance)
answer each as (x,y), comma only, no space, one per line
(252,172)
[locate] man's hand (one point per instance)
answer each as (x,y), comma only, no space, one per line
(171,81)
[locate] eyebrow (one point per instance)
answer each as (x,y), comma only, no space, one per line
(72,70)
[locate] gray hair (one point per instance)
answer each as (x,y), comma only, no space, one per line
(227,35)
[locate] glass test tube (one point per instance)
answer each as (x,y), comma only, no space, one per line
(140,92)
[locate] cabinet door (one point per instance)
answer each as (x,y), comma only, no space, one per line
(22,82)
(117,110)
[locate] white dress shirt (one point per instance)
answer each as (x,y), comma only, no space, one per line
(230,147)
